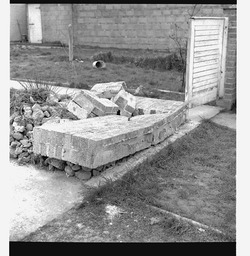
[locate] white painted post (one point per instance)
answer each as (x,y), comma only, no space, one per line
(70,43)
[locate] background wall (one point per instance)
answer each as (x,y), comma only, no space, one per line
(17,12)
(120,25)
(134,25)
(55,21)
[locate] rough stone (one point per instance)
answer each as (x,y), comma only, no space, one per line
(29,134)
(83,175)
(18,150)
(17,136)
(24,159)
(51,167)
(47,161)
(108,90)
(29,127)
(78,111)
(36,107)
(17,127)
(53,111)
(86,169)
(27,111)
(17,119)
(25,143)
(59,164)
(126,102)
(37,115)
(23,154)
(96,172)
(76,167)
(15,144)
(13,116)
(69,171)
(69,163)
(13,153)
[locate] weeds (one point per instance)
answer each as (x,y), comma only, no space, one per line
(34,91)
(161,63)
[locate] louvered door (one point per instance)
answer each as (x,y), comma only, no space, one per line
(205,60)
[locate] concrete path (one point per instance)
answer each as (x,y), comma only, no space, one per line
(38,196)
(226,119)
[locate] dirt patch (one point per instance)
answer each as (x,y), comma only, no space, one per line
(195,178)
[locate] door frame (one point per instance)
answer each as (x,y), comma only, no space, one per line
(28,25)
(190,56)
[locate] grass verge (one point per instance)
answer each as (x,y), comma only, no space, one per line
(194,177)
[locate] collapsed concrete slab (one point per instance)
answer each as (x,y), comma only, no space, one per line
(108,90)
(97,141)
(90,103)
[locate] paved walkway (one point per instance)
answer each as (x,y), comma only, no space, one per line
(226,119)
(38,196)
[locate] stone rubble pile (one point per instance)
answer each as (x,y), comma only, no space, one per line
(22,124)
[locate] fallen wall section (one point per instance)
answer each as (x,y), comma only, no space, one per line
(94,142)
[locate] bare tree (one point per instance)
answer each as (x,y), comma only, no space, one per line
(181,42)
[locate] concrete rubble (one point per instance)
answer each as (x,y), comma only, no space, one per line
(108,90)
(107,125)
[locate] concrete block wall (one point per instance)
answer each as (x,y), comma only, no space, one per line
(230,75)
(134,26)
(55,21)
(18,12)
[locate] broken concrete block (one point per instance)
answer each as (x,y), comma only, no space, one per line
(126,102)
(93,104)
(81,100)
(78,111)
(108,90)
(125,113)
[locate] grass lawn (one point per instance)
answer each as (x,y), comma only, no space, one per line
(194,177)
(51,64)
